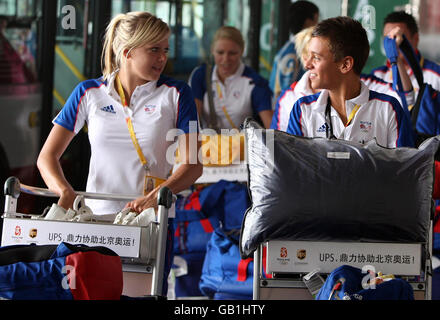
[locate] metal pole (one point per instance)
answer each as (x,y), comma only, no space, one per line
(254,34)
(164,200)
(428,268)
(344,8)
(256,280)
(48,61)
(100,16)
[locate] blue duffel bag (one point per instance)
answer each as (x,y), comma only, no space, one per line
(225,275)
(350,283)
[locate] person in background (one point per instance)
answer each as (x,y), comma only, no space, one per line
(238,91)
(297,89)
(400,22)
(345,108)
(286,67)
(128,111)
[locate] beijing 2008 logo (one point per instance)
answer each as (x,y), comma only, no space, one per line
(283,252)
(17,231)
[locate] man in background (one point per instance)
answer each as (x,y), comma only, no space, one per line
(408,26)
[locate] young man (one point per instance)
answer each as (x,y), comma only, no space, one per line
(408,26)
(302,87)
(286,67)
(345,108)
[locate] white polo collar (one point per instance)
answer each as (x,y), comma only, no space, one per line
(111,89)
(360,100)
(238,73)
(303,85)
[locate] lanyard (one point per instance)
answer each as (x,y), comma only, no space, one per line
(220,95)
(130,126)
(328,119)
(150,182)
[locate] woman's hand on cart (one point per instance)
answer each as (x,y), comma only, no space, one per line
(67,197)
(140,204)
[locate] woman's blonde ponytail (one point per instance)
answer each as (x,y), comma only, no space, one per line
(126,32)
(108,61)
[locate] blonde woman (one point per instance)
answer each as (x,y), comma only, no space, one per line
(238,91)
(298,88)
(131,90)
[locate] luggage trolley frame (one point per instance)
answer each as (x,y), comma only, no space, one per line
(289,260)
(145,246)
(288,271)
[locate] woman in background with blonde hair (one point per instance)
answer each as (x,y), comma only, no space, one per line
(129,112)
(297,89)
(238,91)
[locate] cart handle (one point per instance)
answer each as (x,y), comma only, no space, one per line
(13,188)
(165,197)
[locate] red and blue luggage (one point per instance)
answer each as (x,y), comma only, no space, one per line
(63,272)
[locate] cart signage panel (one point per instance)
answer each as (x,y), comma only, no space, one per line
(123,240)
(304,256)
(234,172)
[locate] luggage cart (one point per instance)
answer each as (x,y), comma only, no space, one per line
(335,241)
(289,261)
(142,249)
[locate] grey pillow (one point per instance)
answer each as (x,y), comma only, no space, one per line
(315,189)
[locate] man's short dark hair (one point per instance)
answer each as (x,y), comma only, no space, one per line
(299,12)
(402,17)
(347,37)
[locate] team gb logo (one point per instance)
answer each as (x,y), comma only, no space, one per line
(149,109)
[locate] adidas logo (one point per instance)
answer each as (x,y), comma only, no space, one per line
(323,128)
(108,109)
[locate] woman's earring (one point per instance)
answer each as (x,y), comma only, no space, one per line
(127,54)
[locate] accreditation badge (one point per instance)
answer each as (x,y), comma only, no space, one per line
(151,183)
